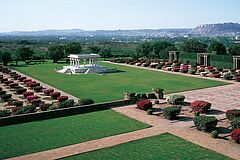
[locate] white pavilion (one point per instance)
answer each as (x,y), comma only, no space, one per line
(83,64)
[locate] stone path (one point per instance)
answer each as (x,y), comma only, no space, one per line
(222,98)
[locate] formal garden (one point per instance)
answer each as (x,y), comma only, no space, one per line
(80,108)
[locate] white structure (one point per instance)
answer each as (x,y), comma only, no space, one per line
(83,63)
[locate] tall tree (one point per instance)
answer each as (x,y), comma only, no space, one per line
(144,49)
(160,46)
(217,47)
(105,52)
(24,53)
(56,52)
(95,49)
(73,48)
(5,57)
(234,49)
(193,46)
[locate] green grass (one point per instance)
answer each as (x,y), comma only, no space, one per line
(43,135)
(161,147)
(112,86)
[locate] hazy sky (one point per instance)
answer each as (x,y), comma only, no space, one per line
(114,14)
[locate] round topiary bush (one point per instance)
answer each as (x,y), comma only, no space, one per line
(235,134)
(156,102)
(205,123)
(12,85)
(85,101)
(149,112)
(175,99)
(214,134)
(200,106)
(144,104)
(171,112)
(235,123)
(232,113)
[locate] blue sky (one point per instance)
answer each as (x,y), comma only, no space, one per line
(28,15)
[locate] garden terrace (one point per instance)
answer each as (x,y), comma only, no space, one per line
(59,132)
(111,87)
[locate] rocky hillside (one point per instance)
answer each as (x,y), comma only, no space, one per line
(219,29)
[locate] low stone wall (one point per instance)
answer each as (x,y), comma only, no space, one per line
(61,112)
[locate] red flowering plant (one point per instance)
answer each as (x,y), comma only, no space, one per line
(26,94)
(62,99)
(235,134)
(55,95)
(48,91)
(30,98)
(26,80)
(21,78)
(144,104)
(200,106)
(8,82)
(32,85)
(38,88)
(29,82)
(216,75)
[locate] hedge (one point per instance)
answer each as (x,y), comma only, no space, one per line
(205,123)
(171,112)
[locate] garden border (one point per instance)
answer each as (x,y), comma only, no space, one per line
(24,118)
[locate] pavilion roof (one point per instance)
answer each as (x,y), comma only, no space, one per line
(84,56)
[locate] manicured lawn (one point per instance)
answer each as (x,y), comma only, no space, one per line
(43,135)
(112,86)
(161,147)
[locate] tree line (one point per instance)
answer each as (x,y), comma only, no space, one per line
(149,49)
(156,49)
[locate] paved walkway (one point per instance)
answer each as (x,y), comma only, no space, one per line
(222,98)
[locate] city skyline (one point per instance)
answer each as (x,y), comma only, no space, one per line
(31,15)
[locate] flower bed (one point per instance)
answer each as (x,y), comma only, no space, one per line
(48,91)
(55,95)
(26,94)
(200,106)
(38,88)
(21,78)
(61,99)
(216,75)
(30,98)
